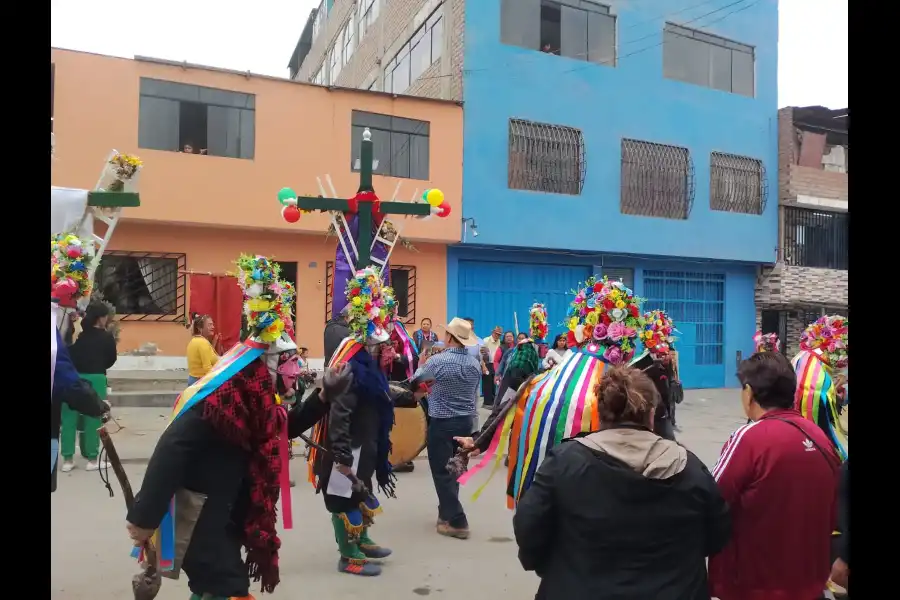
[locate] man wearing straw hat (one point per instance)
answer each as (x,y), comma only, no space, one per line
(452,411)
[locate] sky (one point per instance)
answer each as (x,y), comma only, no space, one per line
(812,50)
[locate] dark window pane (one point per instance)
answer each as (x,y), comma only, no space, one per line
(420,57)
(520,23)
(573,32)
(437,39)
(410,125)
(356,132)
(223,131)
(400,285)
(400,154)
(248,134)
(170,90)
(685,59)
(381,151)
(720,68)
(158,124)
(418,157)
(551,34)
(601,39)
(367,119)
(742,70)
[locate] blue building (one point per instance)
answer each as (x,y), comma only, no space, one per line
(631,139)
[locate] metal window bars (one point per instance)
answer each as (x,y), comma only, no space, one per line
(657,180)
(737,184)
(546,158)
(144,286)
(814,238)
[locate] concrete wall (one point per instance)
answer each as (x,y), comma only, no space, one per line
(608,103)
(396,23)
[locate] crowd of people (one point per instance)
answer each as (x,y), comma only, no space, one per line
(607,503)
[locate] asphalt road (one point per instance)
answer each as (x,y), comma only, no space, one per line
(90,549)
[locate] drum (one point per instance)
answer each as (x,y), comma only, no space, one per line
(408,435)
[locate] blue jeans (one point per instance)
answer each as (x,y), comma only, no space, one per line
(192,380)
(441,449)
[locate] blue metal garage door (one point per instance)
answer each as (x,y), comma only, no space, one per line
(696,303)
(491,292)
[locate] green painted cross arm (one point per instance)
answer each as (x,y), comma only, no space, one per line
(307,203)
(406,208)
(114,199)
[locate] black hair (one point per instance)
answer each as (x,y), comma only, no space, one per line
(470,320)
(771,378)
(426,319)
(556,340)
(95,311)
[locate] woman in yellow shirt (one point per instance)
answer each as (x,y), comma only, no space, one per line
(201,356)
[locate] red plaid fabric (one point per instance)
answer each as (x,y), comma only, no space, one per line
(244,411)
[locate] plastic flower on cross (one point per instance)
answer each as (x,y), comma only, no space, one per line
(537,326)
(766,342)
(604,319)
(70,262)
(265,296)
(657,333)
(372,306)
(828,337)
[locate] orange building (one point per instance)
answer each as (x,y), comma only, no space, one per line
(217,146)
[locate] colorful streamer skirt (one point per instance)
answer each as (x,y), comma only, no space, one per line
(817,398)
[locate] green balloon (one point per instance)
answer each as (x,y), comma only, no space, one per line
(425,195)
(285,194)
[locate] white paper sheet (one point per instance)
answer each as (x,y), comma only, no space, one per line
(67,207)
(339,484)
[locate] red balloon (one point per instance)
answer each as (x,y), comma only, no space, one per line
(443,210)
(291,214)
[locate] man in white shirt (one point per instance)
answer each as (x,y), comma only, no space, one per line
(491,345)
(477,350)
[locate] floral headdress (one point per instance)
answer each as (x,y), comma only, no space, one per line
(657,334)
(829,336)
(605,319)
(537,326)
(766,342)
(372,306)
(70,262)
(265,296)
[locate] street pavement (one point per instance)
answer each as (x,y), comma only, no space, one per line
(90,549)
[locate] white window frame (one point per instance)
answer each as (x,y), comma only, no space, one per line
(368,11)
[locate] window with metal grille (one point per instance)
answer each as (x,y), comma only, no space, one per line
(144,286)
(697,57)
(624,275)
(737,184)
(403,282)
(545,158)
(657,180)
(815,238)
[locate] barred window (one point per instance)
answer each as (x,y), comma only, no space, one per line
(545,158)
(737,184)
(144,286)
(657,180)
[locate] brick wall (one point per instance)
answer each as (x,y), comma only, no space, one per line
(393,28)
(787,285)
(806,181)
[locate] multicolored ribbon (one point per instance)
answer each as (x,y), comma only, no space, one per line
(240,355)
(559,404)
(408,346)
(816,398)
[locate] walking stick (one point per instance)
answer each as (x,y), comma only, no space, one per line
(145,584)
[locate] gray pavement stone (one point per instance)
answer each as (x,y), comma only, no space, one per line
(90,549)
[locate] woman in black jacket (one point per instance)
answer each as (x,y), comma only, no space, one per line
(93,353)
(621,513)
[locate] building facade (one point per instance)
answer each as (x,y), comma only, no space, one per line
(251,136)
(633,139)
(810,277)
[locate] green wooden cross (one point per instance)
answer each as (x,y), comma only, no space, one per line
(364,221)
(114,199)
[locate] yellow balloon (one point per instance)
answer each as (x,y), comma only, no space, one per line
(435,197)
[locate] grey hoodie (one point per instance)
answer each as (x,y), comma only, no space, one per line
(644,451)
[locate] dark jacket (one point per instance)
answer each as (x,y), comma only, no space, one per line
(843,544)
(335,332)
(621,514)
(94,352)
(191,454)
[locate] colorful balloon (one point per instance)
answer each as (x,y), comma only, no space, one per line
(291,214)
(285,194)
(443,210)
(435,197)
(425,195)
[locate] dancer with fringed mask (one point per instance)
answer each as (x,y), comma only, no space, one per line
(218,470)
(354,435)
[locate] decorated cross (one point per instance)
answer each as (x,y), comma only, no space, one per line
(368,208)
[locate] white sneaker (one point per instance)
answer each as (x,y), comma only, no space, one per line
(94,465)
(68,465)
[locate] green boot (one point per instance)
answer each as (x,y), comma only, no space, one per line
(370,548)
(352,560)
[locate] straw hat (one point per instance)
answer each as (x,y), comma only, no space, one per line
(462,331)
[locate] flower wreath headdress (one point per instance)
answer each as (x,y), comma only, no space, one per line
(828,336)
(371,307)
(604,320)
